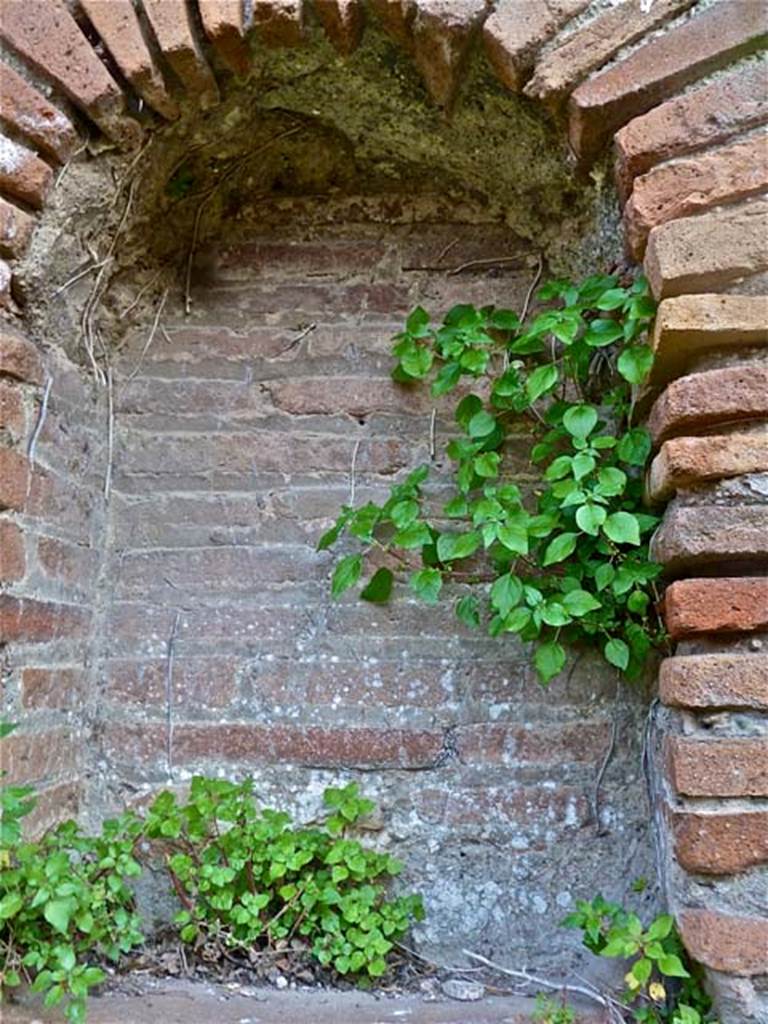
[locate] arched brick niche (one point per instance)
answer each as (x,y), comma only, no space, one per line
(675,92)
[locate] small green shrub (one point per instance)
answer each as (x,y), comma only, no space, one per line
(65,903)
(552,1011)
(570,564)
(248,878)
(662,985)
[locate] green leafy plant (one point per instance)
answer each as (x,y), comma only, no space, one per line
(65,903)
(248,879)
(570,562)
(16,802)
(662,986)
(552,1011)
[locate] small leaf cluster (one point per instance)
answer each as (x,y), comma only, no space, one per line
(64,903)
(662,986)
(570,564)
(250,880)
(16,802)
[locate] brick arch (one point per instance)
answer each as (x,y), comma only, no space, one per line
(676,89)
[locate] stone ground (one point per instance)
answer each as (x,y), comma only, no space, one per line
(188,1002)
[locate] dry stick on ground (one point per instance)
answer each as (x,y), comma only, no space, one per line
(613,1006)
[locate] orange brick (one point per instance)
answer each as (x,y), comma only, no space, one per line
(33,118)
(706,399)
(685,462)
(13,562)
(737,604)
(719,843)
(223,24)
(722,768)
(23,175)
(715,681)
(725,942)
(343,22)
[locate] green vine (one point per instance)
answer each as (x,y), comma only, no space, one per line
(568,563)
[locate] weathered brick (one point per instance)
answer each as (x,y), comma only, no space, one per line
(54,804)
(279,22)
(33,118)
(726,942)
(14,480)
(19,358)
(658,70)
(720,843)
(690,325)
(592,46)
(692,185)
(62,687)
(47,36)
(715,681)
(23,175)
(722,768)
(690,537)
(12,412)
(118,25)
(355,396)
(343,22)
(504,743)
(562,808)
(714,113)
(732,605)
(443,31)
(690,461)
(245,743)
(517,29)
(704,400)
(73,565)
(39,756)
(13,562)
(176,37)
(24,620)
(193,682)
(16,229)
(6,280)
(708,252)
(223,24)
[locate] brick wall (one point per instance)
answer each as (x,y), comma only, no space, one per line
(680,87)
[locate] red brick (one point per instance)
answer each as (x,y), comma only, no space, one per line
(722,768)
(19,358)
(443,31)
(37,756)
(69,564)
(693,536)
(12,414)
(16,229)
(118,25)
(725,942)
(711,114)
(685,462)
(708,252)
(704,400)
(592,46)
(176,37)
(59,688)
(47,37)
(279,22)
(517,29)
(24,620)
(692,185)
(206,682)
(736,604)
(13,562)
(14,480)
(718,843)
(311,746)
(33,118)
(23,175)
(502,743)
(661,68)
(223,24)
(715,681)
(691,325)
(54,804)
(343,22)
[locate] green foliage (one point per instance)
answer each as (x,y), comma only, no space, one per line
(247,878)
(662,986)
(16,802)
(552,1011)
(65,903)
(570,563)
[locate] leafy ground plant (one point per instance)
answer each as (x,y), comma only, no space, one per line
(249,880)
(662,986)
(570,562)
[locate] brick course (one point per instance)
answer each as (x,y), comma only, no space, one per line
(724,768)
(726,942)
(714,680)
(733,605)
